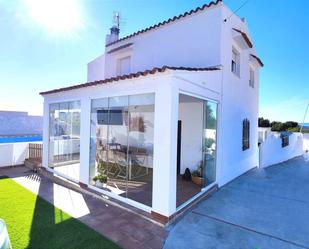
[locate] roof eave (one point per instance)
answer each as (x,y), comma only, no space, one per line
(128,76)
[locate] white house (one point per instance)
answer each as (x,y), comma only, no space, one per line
(180,94)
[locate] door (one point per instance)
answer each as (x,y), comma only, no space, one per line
(178,146)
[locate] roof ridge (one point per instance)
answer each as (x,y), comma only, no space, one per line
(130,76)
(172,19)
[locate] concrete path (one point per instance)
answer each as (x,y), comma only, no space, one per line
(267,208)
(126,228)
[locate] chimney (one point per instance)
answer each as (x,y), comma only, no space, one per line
(115,30)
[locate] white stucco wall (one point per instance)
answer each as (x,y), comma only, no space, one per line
(95,69)
(13,153)
(306,141)
(271,151)
(193,41)
(239,102)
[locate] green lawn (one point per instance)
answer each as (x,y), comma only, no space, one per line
(35,223)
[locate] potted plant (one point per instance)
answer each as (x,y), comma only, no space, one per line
(100,180)
(197,175)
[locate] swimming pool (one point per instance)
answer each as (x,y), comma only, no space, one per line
(19,139)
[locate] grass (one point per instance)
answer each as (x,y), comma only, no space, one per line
(33,222)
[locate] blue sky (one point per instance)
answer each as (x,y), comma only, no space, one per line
(37,55)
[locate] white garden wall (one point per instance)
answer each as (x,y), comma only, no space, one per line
(306,142)
(271,151)
(13,153)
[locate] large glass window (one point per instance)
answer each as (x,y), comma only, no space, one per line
(64,138)
(121,147)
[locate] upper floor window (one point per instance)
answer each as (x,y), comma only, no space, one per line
(251,80)
(124,65)
(235,66)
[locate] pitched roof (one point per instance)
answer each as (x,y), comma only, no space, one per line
(170,20)
(129,76)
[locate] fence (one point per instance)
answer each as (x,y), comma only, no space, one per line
(273,152)
(35,151)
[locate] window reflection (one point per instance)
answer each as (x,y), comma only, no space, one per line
(64,138)
(209,147)
(121,146)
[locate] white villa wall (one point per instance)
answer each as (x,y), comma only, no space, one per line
(13,153)
(271,151)
(191,115)
(195,47)
(263,133)
(306,142)
(239,101)
(96,69)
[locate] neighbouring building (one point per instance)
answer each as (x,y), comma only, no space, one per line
(182,94)
(14,123)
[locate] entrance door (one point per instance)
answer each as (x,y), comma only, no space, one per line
(178,147)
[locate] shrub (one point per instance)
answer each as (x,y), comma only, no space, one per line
(101,178)
(264,122)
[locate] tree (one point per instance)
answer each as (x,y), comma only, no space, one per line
(264,122)
(277,126)
(287,126)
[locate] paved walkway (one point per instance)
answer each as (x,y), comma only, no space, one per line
(124,227)
(262,209)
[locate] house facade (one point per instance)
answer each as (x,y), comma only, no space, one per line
(167,113)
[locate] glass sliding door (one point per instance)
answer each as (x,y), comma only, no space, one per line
(53,134)
(64,138)
(141,130)
(209,142)
(118,144)
(121,147)
(98,138)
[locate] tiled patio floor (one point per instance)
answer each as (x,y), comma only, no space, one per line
(125,227)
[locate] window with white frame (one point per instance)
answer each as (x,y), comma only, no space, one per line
(235,66)
(124,65)
(251,80)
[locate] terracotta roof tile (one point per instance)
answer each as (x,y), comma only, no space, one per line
(188,13)
(128,76)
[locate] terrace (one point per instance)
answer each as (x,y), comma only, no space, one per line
(50,215)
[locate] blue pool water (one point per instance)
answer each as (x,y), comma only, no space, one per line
(19,139)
